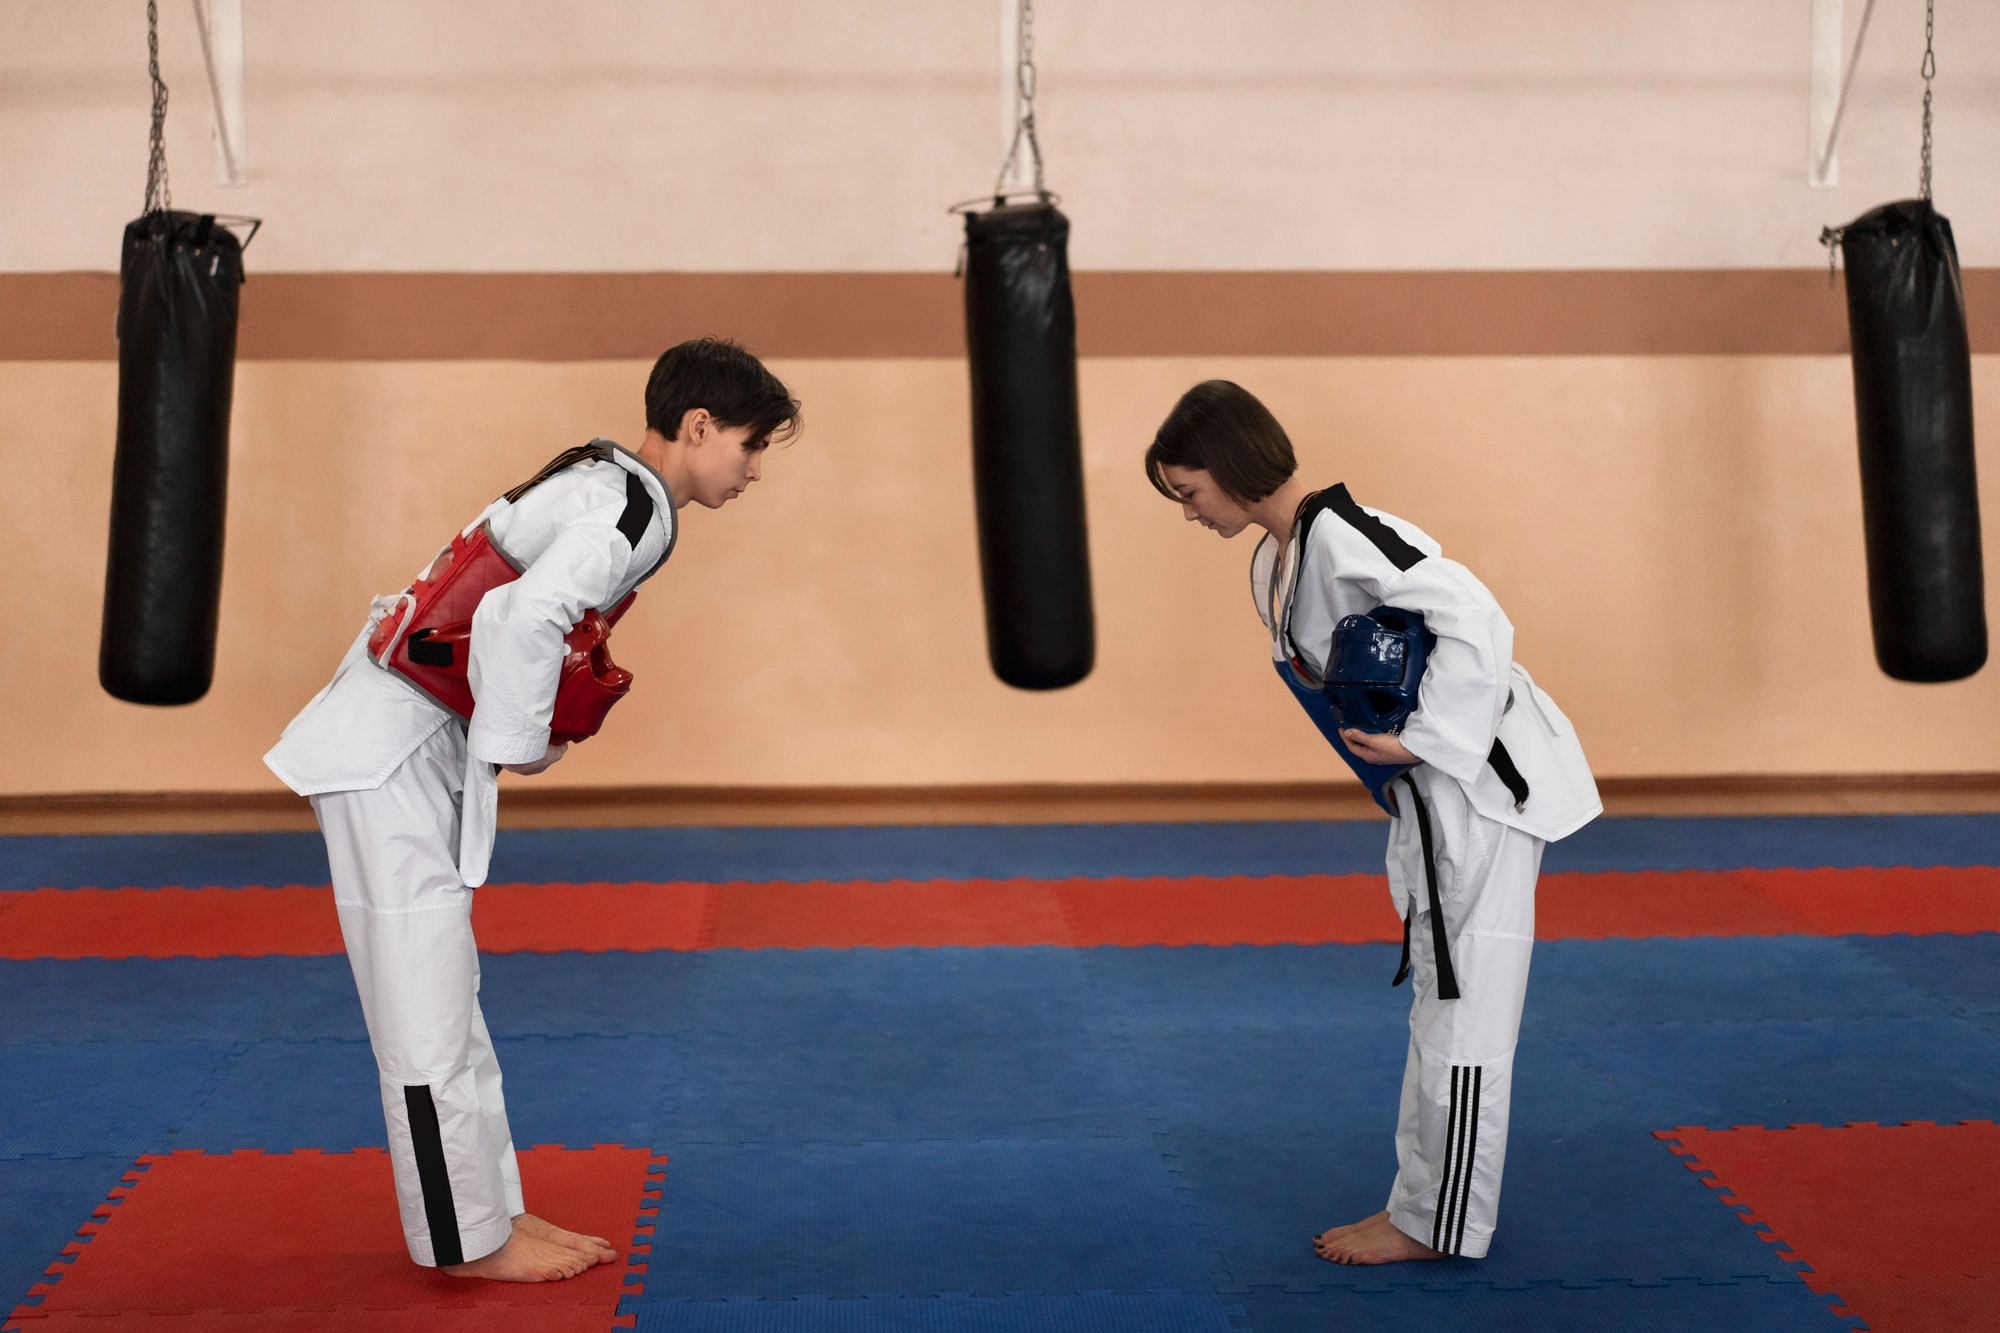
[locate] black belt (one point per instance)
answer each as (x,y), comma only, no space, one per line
(1503,767)
(1517,787)
(1440,943)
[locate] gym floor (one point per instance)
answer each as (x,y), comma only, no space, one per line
(1079,1077)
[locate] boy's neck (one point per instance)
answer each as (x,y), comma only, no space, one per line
(665,457)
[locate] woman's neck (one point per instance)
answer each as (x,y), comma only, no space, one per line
(1276,512)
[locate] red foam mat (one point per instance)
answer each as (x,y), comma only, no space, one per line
(310,1241)
(1311,909)
(897,912)
(1277,909)
(1897,1221)
(163,923)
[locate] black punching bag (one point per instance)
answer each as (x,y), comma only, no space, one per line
(176,368)
(1913,411)
(1027,448)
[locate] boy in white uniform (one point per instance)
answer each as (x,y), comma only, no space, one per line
(406,794)
(1486,771)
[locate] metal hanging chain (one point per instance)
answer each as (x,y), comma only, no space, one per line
(1024,83)
(158,197)
(1929,73)
(1830,237)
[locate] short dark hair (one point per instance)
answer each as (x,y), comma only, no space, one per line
(1222,429)
(733,385)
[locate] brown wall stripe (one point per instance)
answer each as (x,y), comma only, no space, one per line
(612,316)
(536,806)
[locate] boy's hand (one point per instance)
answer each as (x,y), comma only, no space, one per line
(1377,747)
(553,753)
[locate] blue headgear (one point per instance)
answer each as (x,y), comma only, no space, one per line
(1376,667)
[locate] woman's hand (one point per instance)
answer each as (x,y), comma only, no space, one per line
(1373,747)
(549,757)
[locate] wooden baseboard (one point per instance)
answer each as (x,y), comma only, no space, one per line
(610,807)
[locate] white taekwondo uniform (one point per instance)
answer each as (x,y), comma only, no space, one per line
(406,796)
(1451,1135)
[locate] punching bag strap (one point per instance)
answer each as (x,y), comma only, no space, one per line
(1447,978)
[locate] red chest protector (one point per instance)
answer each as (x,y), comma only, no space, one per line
(426,637)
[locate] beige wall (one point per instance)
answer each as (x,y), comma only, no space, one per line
(1677,537)
(777,134)
(1677,540)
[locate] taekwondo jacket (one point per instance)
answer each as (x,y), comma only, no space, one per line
(1356,559)
(566,534)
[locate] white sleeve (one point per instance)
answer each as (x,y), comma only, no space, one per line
(1464,690)
(1370,559)
(517,638)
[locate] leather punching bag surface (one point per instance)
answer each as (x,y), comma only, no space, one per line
(1913,412)
(176,368)
(1027,448)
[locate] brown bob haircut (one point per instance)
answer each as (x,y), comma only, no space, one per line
(1220,428)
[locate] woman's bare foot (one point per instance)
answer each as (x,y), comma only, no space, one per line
(531,1257)
(595,1248)
(1373,1240)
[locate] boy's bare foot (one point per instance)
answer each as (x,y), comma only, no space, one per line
(531,1257)
(597,1249)
(1373,1240)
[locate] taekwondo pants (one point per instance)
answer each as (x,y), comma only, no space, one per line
(407,920)
(1451,1132)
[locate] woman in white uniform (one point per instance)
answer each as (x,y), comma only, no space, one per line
(406,792)
(1485,772)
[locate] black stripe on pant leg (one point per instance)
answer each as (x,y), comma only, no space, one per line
(1469,1133)
(1444,1177)
(1471,1157)
(1448,1203)
(1452,1192)
(435,1177)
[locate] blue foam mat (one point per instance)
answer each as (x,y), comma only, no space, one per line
(992,1216)
(117,1098)
(976,851)
(1674,1307)
(915,1121)
(1778,842)
(1780,1073)
(1741,978)
(974,1043)
(1297,987)
(281,1095)
(306,999)
(602,994)
(1097,1312)
(1957,974)
(178,999)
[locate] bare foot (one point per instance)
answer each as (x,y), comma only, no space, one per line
(527,1257)
(1373,1240)
(595,1248)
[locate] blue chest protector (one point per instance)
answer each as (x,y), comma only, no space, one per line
(1375,777)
